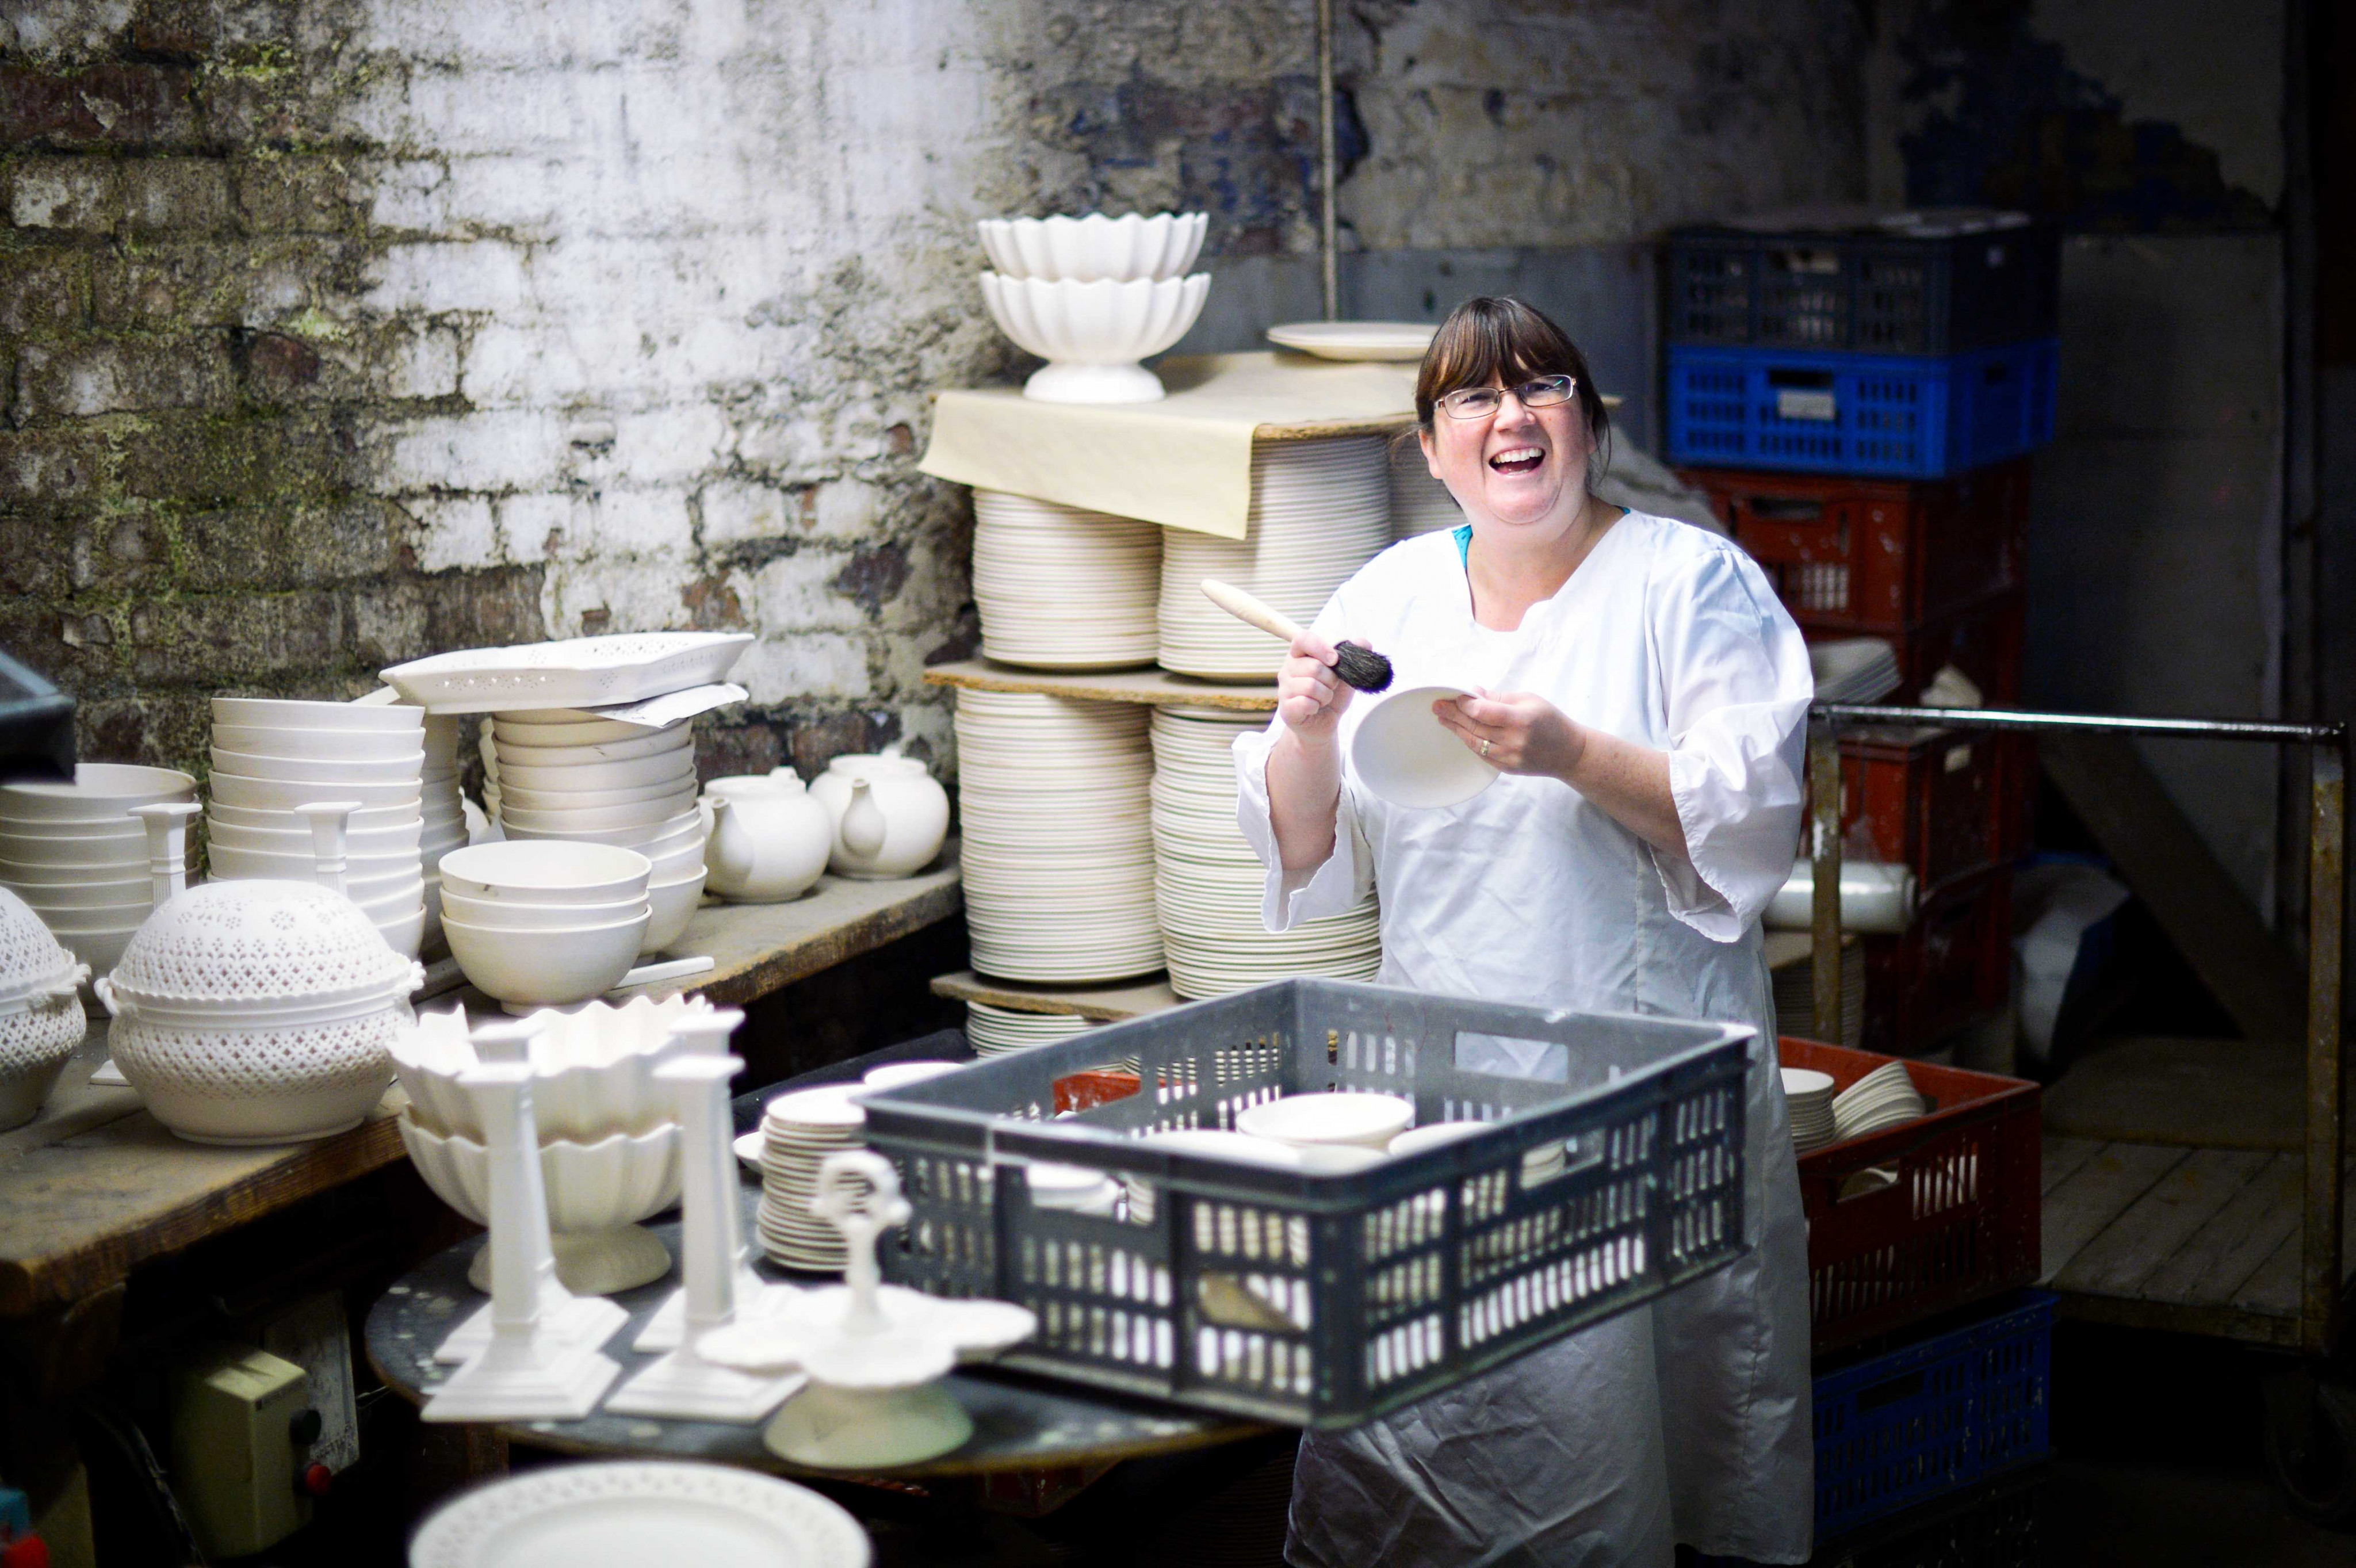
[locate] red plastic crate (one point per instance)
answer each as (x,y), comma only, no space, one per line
(1945,803)
(1877,555)
(1953,965)
(1957,1218)
(1984,640)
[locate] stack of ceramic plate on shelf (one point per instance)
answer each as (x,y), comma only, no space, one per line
(1058,853)
(270,755)
(798,1132)
(1420,503)
(442,811)
(1002,1031)
(78,858)
(1795,980)
(1854,669)
(1094,295)
(1320,510)
(562,773)
(1207,883)
(1810,1096)
(1886,1096)
(1060,588)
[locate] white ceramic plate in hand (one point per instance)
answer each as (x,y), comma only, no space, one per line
(1408,756)
(1355,339)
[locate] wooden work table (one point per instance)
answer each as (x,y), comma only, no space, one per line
(95,1186)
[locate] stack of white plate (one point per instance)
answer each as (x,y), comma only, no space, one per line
(271,754)
(1420,503)
(77,856)
(1207,883)
(1320,510)
(1854,669)
(999,1031)
(1058,853)
(1795,988)
(1810,1096)
(1060,588)
(799,1131)
(1882,1097)
(442,809)
(564,773)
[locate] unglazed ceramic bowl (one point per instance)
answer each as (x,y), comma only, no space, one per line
(1369,1120)
(101,792)
(406,768)
(553,968)
(660,768)
(287,712)
(333,745)
(285,794)
(555,872)
(222,1083)
(1092,335)
(593,1067)
(1403,753)
(1083,249)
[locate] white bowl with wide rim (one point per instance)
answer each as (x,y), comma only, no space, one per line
(285,794)
(408,768)
(546,873)
(1369,1120)
(509,915)
(1083,249)
(663,767)
(318,745)
(526,754)
(237,863)
(127,849)
(1092,335)
(670,904)
(48,898)
(552,967)
(101,792)
(281,819)
(297,712)
(359,843)
(1403,753)
(645,816)
(517,798)
(684,831)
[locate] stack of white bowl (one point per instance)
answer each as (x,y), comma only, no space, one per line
(1420,503)
(545,925)
(78,858)
(271,755)
(798,1132)
(1002,1031)
(442,809)
(1058,850)
(562,773)
(1093,295)
(1886,1096)
(1207,883)
(1060,588)
(1810,1096)
(1320,510)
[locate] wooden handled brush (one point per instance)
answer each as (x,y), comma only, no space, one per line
(1360,667)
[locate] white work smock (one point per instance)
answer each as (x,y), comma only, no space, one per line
(1689,1422)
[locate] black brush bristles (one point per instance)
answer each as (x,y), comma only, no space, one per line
(1363,668)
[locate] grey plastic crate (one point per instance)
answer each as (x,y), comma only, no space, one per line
(1322,1300)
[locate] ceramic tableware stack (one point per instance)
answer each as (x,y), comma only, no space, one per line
(1320,510)
(77,857)
(1854,668)
(271,754)
(566,774)
(1809,1094)
(442,811)
(609,1136)
(716,1515)
(1420,503)
(799,1131)
(538,924)
(1207,884)
(1060,588)
(1886,1096)
(1094,295)
(1002,1031)
(1795,980)
(1058,849)
(41,1019)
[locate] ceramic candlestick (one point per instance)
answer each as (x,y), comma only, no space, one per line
(682,1384)
(526,1372)
(167,848)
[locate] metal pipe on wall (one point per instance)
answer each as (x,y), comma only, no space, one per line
(1332,277)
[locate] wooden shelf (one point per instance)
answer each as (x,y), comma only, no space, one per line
(1105,1004)
(1158,688)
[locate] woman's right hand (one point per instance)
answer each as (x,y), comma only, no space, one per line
(1311,698)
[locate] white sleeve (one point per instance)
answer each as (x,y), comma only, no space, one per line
(1344,878)
(1738,685)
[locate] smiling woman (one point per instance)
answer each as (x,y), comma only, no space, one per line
(1642,695)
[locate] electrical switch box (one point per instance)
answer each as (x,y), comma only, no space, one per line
(242,1429)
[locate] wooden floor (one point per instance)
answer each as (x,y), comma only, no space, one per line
(2161,1236)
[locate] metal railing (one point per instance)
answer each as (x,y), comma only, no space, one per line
(2320,1261)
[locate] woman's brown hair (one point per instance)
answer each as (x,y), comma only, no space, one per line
(1512,341)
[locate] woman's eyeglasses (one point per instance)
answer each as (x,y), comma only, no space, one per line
(1479,402)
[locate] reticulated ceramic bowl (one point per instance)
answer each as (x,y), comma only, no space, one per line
(286,1084)
(593,1069)
(597,1193)
(41,1018)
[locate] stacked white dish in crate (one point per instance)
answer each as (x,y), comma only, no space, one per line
(271,754)
(1059,850)
(1208,881)
(1320,510)
(77,857)
(1094,295)
(1061,588)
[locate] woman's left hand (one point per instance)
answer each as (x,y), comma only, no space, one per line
(1515,732)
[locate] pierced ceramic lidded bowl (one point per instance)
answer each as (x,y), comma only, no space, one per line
(259,1012)
(41,1018)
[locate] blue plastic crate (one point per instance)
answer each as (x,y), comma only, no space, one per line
(1932,1417)
(1866,415)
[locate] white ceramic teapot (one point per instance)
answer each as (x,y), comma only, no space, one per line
(766,839)
(890,814)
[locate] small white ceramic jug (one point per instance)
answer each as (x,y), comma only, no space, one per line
(890,815)
(768,838)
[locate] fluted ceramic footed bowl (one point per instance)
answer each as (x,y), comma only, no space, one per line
(593,1069)
(1092,335)
(1083,250)
(597,1193)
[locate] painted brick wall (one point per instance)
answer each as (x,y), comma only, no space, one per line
(339,333)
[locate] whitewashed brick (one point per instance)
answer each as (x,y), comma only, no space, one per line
(489,451)
(411,196)
(735,511)
(846,507)
(478,275)
(423,364)
(803,664)
(637,523)
(64,194)
(678,443)
(639,594)
(539,527)
(454,532)
(791,593)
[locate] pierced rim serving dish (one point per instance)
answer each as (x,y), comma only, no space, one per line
(578,672)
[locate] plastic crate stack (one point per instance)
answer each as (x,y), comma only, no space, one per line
(1859,399)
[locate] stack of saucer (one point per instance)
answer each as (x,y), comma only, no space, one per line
(1420,503)
(1810,1096)
(1882,1097)
(1060,588)
(799,1131)
(999,1031)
